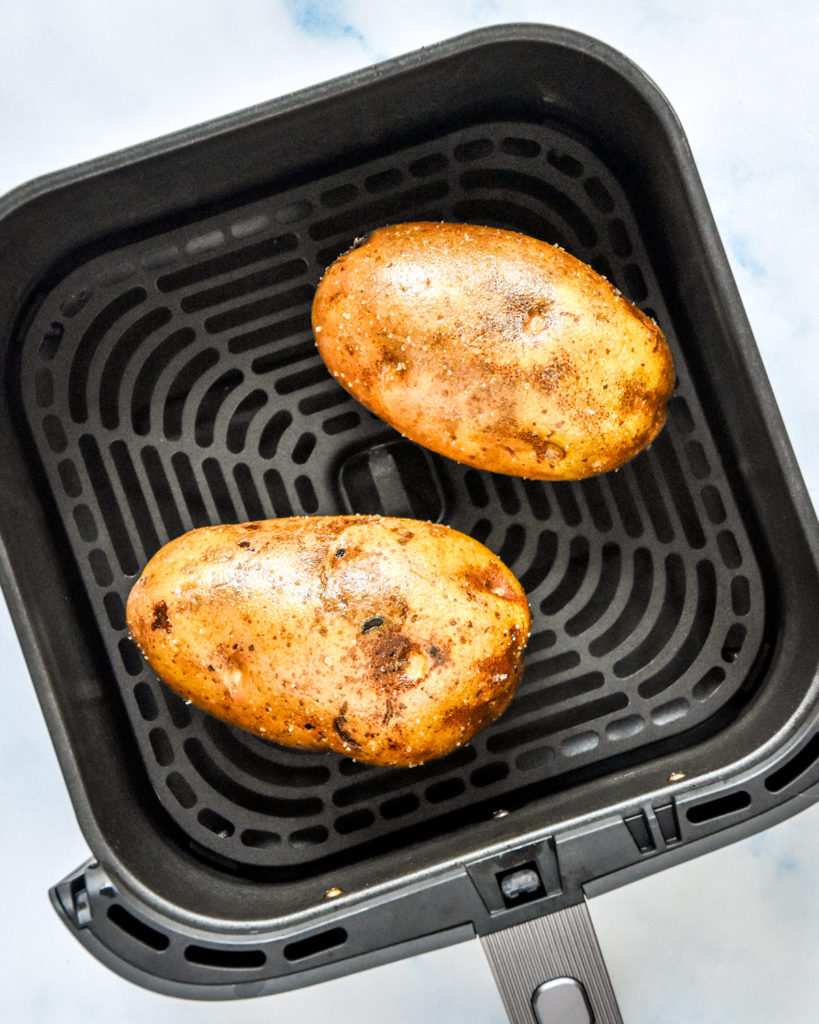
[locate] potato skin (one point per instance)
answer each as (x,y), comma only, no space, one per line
(392,641)
(495,349)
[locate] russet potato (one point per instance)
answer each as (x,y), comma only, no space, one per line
(392,641)
(495,349)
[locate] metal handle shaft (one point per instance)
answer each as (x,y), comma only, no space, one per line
(537,966)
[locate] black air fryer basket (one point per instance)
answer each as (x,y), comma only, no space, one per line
(160,374)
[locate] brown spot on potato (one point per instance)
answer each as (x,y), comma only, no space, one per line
(389,712)
(160,619)
(543,447)
(488,579)
(339,723)
(388,652)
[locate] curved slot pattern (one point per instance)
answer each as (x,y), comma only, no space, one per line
(653,501)
(204,270)
(573,577)
(273,432)
(180,388)
(282,355)
(536,496)
(193,372)
(596,503)
(544,559)
(149,375)
(162,493)
(191,494)
(625,503)
(44,388)
(238,316)
(567,502)
(474,149)
(678,486)
(241,420)
(527,703)
(118,359)
(571,718)
(553,199)
(134,497)
(376,784)
(251,499)
(270,334)
(137,929)
(795,767)
(507,214)
(513,543)
(634,607)
(315,944)
(109,505)
(178,709)
(277,493)
(259,838)
(228,959)
(367,216)
(97,331)
(70,479)
(253,757)
(227,786)
(668,616)
(600,601)
(50,343)
(710,810)
(239,287)
(115,609)
(702,622)
(222,500)
(212,401)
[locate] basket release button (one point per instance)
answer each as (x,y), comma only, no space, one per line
(562,1001)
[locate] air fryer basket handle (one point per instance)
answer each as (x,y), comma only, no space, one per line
(551,970)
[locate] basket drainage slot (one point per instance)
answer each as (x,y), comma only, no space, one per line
(314,944)
(791,770)
(233,959)
(710,809)
(137,929)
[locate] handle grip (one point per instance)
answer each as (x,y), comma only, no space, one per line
(551,970)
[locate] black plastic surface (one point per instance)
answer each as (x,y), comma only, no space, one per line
(176,383)
(159,373)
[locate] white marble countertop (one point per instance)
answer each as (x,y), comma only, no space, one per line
(732,936)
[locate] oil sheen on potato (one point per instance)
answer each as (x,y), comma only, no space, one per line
(495,349)
(392,641)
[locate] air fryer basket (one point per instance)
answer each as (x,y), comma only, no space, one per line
(160,374)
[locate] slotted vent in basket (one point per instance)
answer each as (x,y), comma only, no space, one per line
(174,382)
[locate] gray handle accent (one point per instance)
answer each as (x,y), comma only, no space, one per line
(559,946)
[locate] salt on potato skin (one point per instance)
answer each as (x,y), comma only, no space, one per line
(390,640)
(495,349)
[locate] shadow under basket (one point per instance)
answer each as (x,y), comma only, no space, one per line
(160,374)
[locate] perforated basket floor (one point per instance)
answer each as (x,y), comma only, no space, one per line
(174,382)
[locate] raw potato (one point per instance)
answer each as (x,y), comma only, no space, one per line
(390,640)
(495,349)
